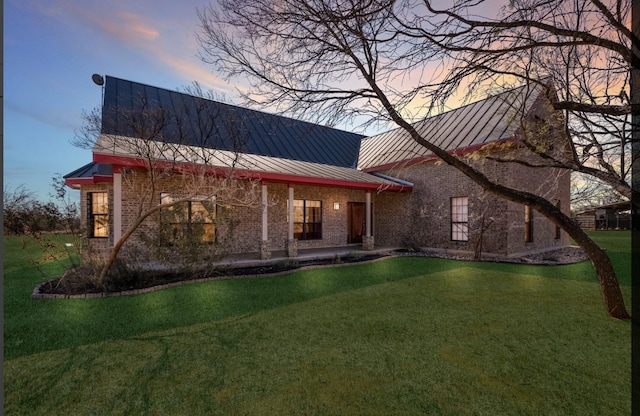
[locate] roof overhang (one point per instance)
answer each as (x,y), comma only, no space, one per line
(375,184)
(125,152)
(76,183)
(89,174)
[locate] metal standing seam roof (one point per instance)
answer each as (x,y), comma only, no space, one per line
(255,166)
(230,127)
(492,119)
(90,173)
(280,147)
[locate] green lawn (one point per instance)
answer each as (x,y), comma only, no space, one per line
(400,336)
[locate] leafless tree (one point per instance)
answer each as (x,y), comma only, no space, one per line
(168,149)
(581,49)
(335,60)
(588,192)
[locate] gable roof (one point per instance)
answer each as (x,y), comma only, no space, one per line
(471,126)
(206,123)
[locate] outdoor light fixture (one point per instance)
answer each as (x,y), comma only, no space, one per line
(336,205)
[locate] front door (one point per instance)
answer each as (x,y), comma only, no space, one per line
(355,222)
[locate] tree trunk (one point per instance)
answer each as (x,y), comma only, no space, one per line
(609,285)
(116,248)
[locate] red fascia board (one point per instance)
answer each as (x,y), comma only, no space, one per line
(255,175)
(89,181)
(456,152)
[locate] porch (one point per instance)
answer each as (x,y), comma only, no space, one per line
(322,253)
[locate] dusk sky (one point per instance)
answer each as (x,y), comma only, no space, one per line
(52,48)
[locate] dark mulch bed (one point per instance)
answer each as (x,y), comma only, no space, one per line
(74,283)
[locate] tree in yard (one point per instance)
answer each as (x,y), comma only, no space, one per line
(584,49)
(23,214)
(341,60)
(171,170)
(588,192)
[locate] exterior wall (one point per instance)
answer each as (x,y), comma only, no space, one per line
(241,227)
(423,218)
(420,218)
(552,184)
(247,235)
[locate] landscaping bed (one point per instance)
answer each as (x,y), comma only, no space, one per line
(74,282)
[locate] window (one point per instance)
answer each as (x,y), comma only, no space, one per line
(528,224)
(460,218)
(558,229)
(307,219)
(192,219)
(98,214)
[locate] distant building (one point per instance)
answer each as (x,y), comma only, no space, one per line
(615,216)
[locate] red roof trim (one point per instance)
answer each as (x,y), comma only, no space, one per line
(89,180)
(456,152)
(265,176)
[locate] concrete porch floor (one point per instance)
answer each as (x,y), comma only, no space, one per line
(253,259)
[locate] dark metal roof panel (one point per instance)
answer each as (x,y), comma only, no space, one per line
(89,170)
(228,127)
(484,121)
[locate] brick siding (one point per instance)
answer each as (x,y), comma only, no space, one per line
(419,218)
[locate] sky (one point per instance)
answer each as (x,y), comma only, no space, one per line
(51,49)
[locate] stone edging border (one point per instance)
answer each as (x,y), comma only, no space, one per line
(37,295)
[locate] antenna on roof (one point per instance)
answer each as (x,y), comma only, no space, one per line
(97,79)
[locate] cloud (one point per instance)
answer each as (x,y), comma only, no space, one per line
(128,27)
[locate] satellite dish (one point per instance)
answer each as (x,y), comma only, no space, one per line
(97,79)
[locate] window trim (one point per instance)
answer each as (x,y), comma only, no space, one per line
(302,236)
(459,229)
(558,229)
(92,215)
(528,224)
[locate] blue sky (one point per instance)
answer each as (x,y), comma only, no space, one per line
(51,49)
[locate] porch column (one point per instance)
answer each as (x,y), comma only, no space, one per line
(117,205)
(367,240)
(265,253)
(291,244)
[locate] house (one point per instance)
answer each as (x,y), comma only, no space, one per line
(339,188)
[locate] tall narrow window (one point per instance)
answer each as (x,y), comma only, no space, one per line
(98,214)
(307,219)
(558,229)
(460,218)
(192,219)
(528,224)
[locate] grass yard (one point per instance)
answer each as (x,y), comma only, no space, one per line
(399,336)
